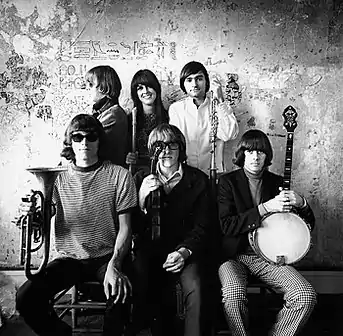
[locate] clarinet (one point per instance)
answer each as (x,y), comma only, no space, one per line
(213,139)
(155,199)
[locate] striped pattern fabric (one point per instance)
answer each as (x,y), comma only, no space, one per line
(88,202)
(298,294)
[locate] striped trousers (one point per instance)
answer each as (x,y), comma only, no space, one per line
(298,294)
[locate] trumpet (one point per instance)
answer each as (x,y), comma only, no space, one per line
(36,225)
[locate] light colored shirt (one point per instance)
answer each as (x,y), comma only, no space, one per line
(195,125)
(172,181)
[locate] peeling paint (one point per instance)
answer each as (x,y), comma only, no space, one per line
(279,53)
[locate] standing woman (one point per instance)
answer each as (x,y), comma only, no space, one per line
(150,112)
(105,87)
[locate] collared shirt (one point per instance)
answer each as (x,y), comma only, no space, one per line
(195,125)
(172,181)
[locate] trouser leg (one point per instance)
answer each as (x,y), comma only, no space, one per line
(117,316)
(191,287)
(142,309)
(34,297)
(233,279)
(299,295)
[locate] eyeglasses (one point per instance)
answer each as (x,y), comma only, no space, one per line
(163,145)
(78,137)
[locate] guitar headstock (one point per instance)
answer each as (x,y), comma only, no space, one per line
(290,115)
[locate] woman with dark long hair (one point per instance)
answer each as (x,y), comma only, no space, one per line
(150,112)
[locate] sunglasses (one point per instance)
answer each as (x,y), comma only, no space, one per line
(78,137)
(163,145)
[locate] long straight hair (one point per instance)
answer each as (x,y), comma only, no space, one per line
(148,78)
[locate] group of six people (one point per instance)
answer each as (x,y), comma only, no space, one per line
(99,207)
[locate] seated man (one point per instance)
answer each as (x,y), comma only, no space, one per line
(93,200)
(244,196)
(175,254)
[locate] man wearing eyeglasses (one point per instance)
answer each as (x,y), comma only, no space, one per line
(176,253)
(93,204)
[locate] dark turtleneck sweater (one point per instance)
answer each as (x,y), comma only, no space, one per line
(255,186)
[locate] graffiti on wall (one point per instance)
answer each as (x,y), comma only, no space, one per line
(233,91)
(102,51)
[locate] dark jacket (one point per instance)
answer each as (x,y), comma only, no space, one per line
(238,215)
(184,214)
(115,122)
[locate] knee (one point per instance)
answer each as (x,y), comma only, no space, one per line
(24,298)
(233,293)
(192,287)
(309,297)
(306,297)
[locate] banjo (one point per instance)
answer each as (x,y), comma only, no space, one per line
(283,237)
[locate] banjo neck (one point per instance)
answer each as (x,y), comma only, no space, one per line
(290,123)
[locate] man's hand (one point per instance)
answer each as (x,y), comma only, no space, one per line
(217,89)
(174,262)
(116,284)
(284,201)
(149,184)
(131,158)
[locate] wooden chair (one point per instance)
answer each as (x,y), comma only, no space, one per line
(77,303)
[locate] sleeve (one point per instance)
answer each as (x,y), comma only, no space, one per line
(227,122)
(173,119)
(197,238)
(307,215)
(232,221)
(126,198)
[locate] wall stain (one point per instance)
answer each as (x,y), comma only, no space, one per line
(251,122)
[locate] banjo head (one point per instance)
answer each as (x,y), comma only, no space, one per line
(283,237)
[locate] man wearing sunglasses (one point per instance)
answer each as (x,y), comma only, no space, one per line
(93,204)
(176,253)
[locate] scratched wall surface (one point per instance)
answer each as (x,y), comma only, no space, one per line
(268,55)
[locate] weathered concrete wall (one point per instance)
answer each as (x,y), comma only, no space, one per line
(281,52)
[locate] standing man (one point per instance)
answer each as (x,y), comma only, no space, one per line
(105,87)
(192,116)
(93,203)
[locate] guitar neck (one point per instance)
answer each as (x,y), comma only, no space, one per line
(288,162)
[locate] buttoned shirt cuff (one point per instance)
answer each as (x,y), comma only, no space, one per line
(305,203)
(262,209)
(185,252)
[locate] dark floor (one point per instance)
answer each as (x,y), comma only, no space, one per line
(326,320)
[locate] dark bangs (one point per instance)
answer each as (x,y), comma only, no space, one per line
(253,140)
(192,68)
(85,123)
(147,78)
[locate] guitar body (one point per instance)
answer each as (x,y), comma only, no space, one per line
(284,237)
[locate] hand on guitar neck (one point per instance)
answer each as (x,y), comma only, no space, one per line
(149,184)
(284,202)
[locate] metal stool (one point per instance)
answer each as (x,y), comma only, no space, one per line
(77,303)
